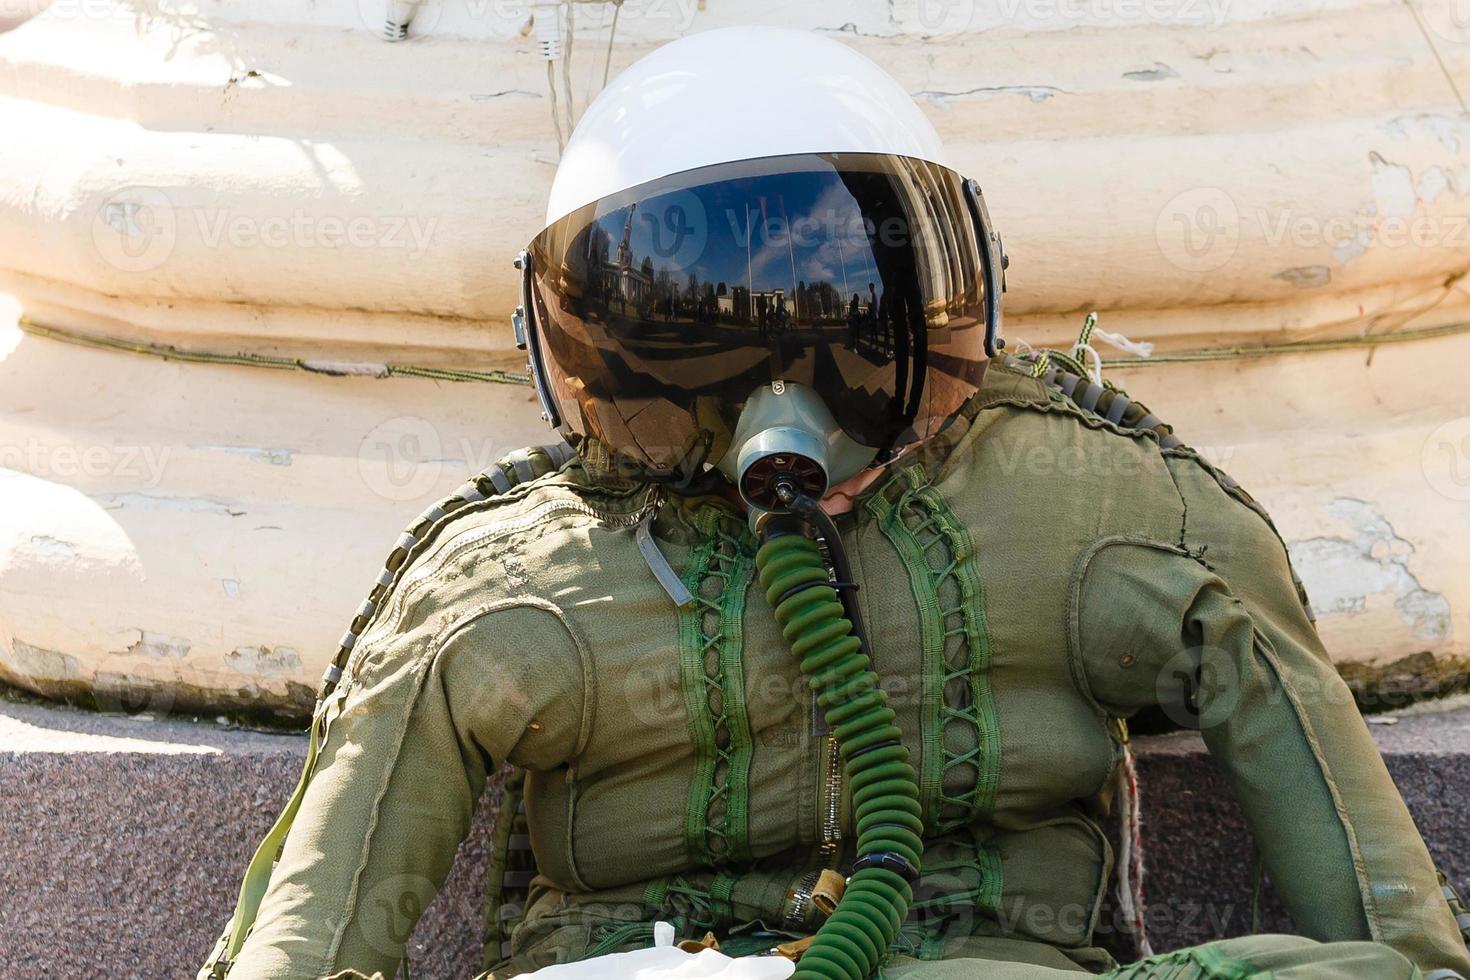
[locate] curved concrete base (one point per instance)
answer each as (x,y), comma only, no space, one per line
(128,837)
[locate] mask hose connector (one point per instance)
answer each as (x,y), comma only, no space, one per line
(817,621)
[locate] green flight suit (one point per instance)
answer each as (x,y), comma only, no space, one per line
(1027,578)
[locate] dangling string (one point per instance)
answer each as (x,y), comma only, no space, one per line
(1130,861)
(1093,364)
(1083,347)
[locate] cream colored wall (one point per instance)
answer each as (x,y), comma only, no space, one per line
(274,178)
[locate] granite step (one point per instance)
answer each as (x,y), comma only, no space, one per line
(123,838)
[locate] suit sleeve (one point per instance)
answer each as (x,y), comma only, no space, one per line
(1212,629)
(427,715)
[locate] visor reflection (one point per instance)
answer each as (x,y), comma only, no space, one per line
(663,308)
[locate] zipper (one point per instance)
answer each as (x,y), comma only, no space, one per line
(468,539)
(829,845)
(832,804)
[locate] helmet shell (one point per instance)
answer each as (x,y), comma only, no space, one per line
(736,93)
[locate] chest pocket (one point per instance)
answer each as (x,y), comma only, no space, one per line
(959,739)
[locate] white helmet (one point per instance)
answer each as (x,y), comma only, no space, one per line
(747,213)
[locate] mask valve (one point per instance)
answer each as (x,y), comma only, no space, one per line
(787,435)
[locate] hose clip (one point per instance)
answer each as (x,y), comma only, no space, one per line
(888,861)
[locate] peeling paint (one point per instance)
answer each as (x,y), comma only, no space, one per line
(264,661)
(248,704)
(1417,677)
(1305,276)
(39,663)
(47,548)
(274,455)
(149,501)
(1351,248)
(1434,182)
(1451,132)
(1157,73)
(129,694)
(1036,93)
(485,96)
(231,587)
(1341,573)
(160,646)
(1393,188)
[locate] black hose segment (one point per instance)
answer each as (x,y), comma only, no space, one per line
(824,631)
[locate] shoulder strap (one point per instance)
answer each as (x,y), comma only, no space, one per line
(511,870)
(1065,374)
(521,466)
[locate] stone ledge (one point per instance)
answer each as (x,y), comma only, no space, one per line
(124,838)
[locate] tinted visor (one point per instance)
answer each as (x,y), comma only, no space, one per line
(659,310)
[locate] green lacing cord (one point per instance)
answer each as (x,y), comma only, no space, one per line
(853,941)
(168,352)
(611,938)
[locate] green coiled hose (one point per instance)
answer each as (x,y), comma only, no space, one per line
(851,944)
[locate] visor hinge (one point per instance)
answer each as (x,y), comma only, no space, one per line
(518,324)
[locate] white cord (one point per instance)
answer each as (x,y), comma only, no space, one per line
(546,24)
(1130,858)
(561,143)
(566,72)
(1138,348)
(1094,365)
